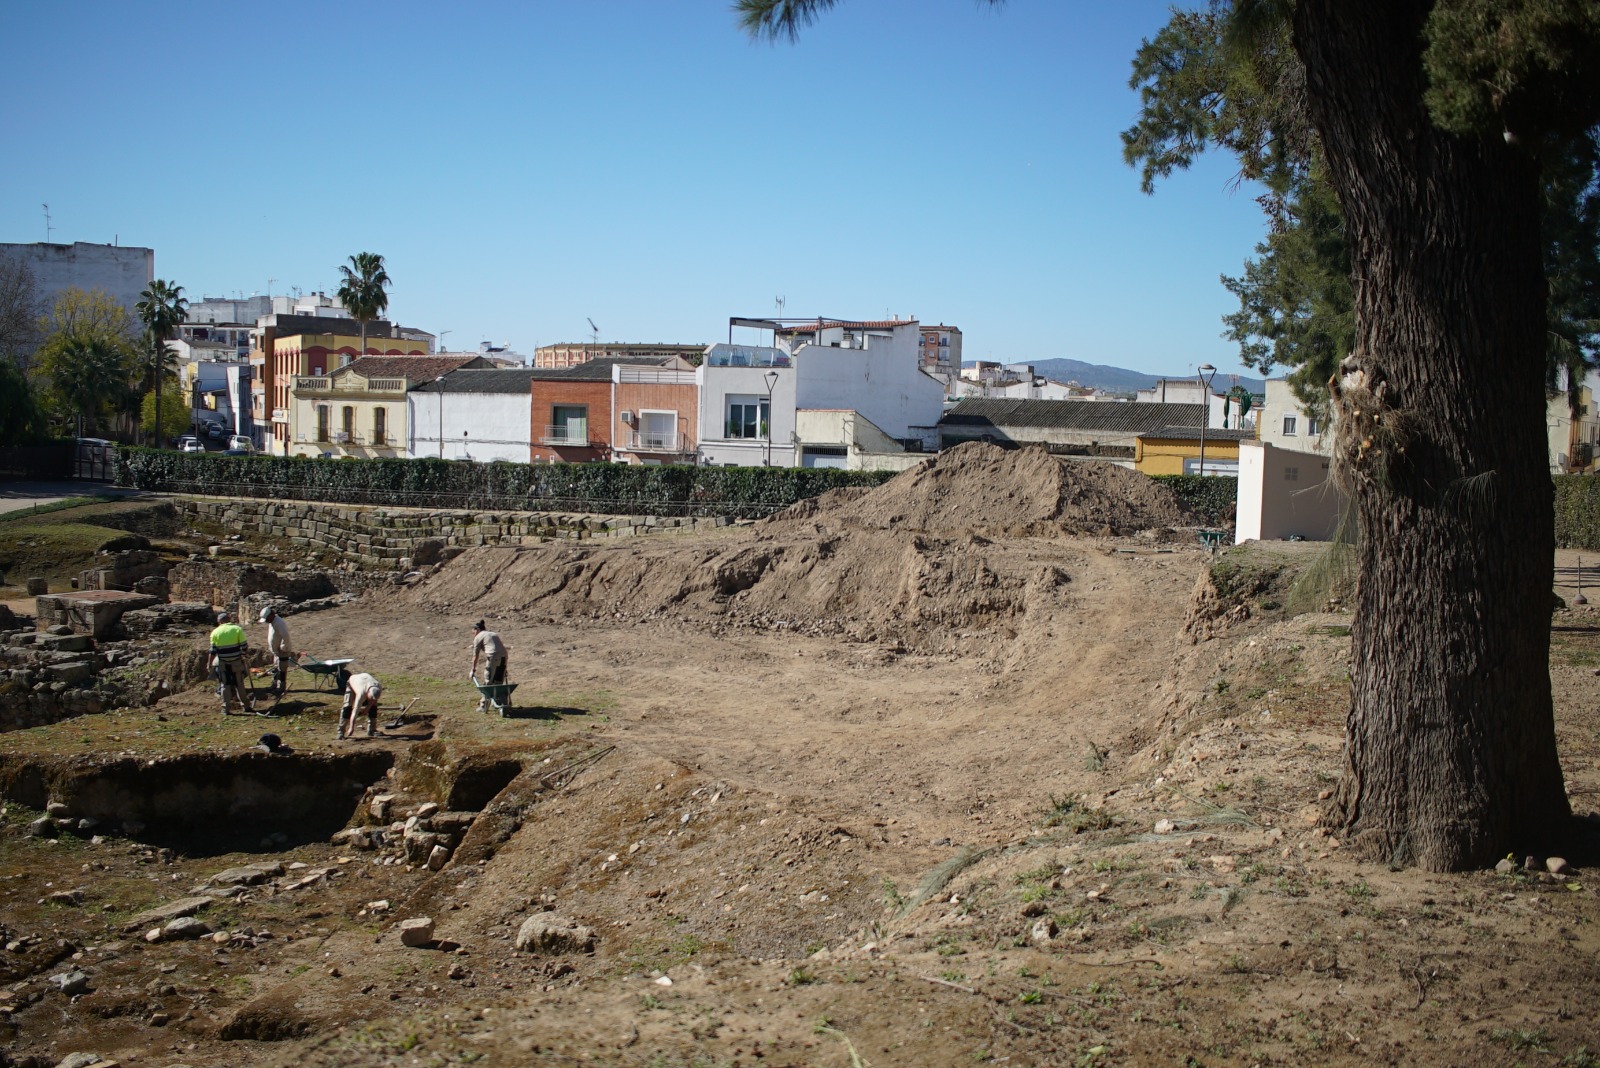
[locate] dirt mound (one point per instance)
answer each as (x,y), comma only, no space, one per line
(932,559)
(1024,492)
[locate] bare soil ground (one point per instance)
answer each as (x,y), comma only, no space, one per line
(965,770)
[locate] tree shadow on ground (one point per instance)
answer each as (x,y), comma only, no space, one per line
(545,712)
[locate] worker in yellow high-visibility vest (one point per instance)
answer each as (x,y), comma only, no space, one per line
(228,651)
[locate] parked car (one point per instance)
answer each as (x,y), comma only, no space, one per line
(190,444)
(214,431)
(239,441)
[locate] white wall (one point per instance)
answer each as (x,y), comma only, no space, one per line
(123,271)
(476,426)
(1283,493)
(716,385)
(1171,391)
(883,382)
(879,377)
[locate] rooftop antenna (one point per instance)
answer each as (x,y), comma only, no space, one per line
(594,332)
(47,227)
(442,335)
(780,301)
(269,288)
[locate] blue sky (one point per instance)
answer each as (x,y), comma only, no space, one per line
(526,166)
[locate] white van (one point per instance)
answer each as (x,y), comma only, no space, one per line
(239,441)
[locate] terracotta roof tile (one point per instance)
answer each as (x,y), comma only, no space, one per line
(866,324)
(414,369)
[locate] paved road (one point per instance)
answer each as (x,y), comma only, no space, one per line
(20,496)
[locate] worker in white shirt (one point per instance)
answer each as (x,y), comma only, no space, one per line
(487,644)
(361,695)
(278,646)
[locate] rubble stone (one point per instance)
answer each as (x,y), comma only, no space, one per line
(551,932)
(417,933)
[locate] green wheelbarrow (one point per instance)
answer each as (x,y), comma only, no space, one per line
(497,694)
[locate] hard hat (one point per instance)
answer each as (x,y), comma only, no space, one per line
(267,613)
(223,617)
(375,689)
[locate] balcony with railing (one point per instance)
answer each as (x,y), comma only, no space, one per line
(570,434)
(720,355)
(350,438)
(325,384)
(668,442)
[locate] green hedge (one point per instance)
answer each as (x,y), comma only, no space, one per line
(1578,512)
(607,489)
(1214,498)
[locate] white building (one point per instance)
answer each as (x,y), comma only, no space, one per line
(472,414)
(228,309)
(123,271)
(835,394)
(1009,382)
(1288,424)
(1171,391)
(1284,494)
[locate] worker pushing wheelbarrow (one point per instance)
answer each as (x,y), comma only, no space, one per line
(494,689)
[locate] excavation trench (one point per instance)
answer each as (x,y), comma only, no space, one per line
(203,804)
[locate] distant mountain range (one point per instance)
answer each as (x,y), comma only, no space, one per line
(1120,379)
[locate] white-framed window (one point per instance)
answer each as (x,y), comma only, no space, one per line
(322,422)
(1313,425)
(1289,426)
(380,426)
(658,430)
(747,416)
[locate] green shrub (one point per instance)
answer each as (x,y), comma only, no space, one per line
(1578,512)
(1212,498)
(602,488)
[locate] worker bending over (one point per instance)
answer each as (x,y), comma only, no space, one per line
(361,695)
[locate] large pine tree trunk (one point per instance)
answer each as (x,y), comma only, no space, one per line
(1450,757)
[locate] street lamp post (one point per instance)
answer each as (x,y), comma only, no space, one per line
(772,380)
(1206,374)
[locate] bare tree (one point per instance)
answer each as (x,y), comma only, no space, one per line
(20,311)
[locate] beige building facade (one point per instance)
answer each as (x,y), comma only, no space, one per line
(360,410)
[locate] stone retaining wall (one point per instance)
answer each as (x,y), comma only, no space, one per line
(226,583)
(401,538)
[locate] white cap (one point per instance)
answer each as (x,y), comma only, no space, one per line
(375,689)
(266,614)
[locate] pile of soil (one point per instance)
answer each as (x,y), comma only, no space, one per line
(1027,492)
(961,547)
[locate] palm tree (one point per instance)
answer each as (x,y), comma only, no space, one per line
(162,310)
(364,291)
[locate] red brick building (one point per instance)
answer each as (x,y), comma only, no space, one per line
(575,414)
